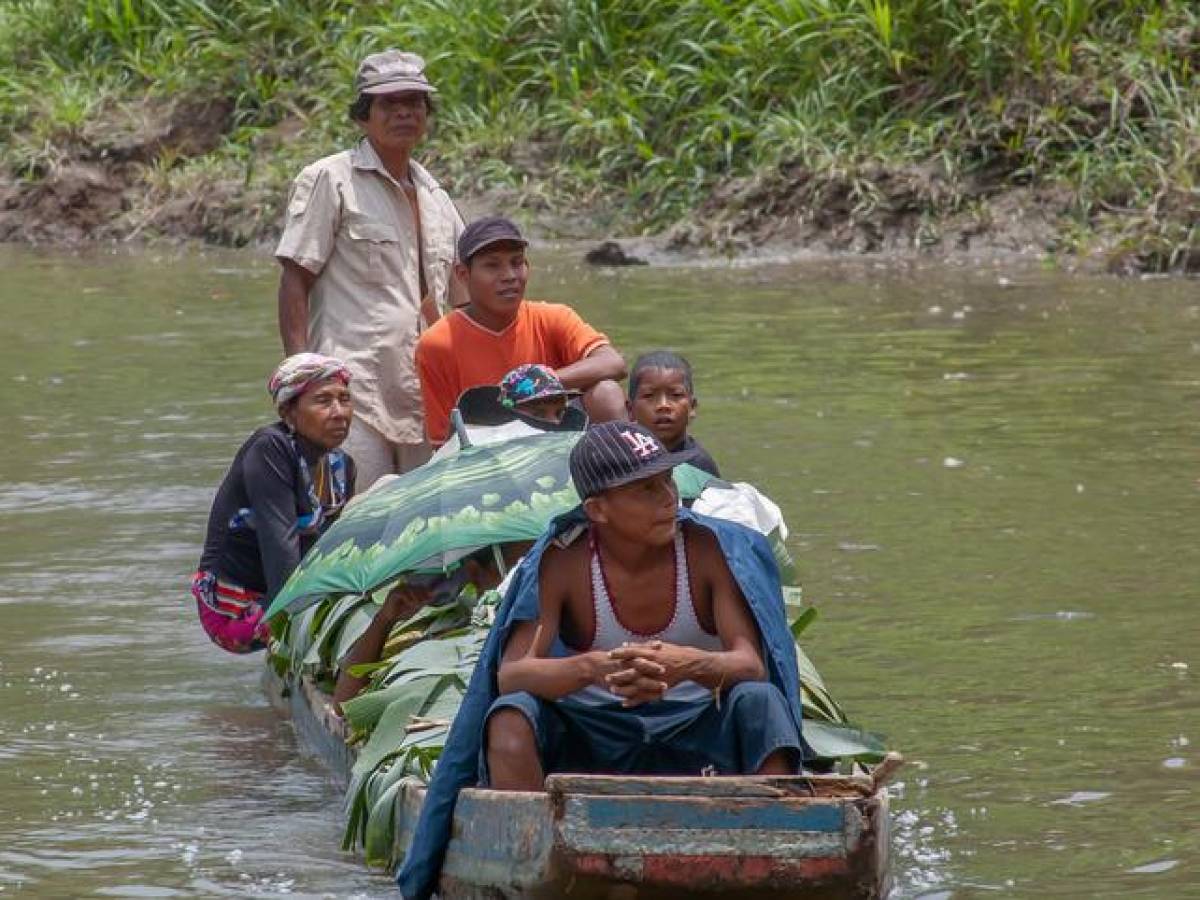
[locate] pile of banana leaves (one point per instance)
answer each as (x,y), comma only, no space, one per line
(399,723)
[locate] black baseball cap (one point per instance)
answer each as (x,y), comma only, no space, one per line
(615,453)
(485,232)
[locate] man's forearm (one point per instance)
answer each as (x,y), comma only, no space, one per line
(293,310)
(368,648)
(604,363)
(429,311)
(724,668)
(549,679)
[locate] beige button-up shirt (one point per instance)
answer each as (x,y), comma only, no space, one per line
(350,223)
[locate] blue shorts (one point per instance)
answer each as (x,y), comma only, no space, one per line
(667,737)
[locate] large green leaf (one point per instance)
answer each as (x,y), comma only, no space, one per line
(392,727)
(298,635)
(353,627)
(378,840)
(364,711)
(322,650)
(783,557)
(830,741)
(816,699)
(801,622)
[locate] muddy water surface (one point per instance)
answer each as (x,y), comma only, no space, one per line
(990,477)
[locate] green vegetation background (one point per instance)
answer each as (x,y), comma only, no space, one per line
(635,111)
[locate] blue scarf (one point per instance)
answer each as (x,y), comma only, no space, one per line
(753,566)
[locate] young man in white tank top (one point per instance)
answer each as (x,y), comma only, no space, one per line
(645,656)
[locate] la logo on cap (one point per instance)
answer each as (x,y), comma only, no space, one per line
(643,446)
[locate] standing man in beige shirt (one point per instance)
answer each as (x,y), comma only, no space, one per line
(368,254)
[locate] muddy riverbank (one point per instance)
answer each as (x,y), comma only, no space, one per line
(163,171)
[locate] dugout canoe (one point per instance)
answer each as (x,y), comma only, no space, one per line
(621,838)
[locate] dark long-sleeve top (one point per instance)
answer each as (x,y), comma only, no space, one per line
(263,517)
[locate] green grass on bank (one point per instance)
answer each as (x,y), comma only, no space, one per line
(643,107)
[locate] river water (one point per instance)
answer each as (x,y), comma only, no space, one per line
(990,477)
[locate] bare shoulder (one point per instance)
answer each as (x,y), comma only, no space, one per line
(559,565)
(704,550)
(563,587)
(700,537)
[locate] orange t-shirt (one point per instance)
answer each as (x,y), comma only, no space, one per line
(458,353)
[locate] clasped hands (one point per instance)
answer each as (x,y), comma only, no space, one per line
(642,672)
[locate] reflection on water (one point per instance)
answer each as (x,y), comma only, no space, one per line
(990,478)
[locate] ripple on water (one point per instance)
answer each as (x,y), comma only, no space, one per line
(1079,798)
(80,581)
(124,496)
(161,337)
(27,497)
(1154,868)
(106,641)
(919,842)
(1062,615)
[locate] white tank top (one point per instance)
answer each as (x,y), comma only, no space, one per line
(684,628)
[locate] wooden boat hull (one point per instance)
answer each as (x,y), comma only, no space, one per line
(659,845)
(759,838)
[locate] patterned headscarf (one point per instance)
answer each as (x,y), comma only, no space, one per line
(298,373)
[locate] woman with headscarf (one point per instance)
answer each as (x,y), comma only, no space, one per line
(288,481)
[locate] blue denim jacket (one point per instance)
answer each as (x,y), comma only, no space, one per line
(753,566)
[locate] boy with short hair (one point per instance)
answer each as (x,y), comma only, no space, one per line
(499,329)
(663,398)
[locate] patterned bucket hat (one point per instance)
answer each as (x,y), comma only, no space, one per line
(531,382)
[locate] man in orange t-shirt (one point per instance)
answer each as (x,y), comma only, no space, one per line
(499,330)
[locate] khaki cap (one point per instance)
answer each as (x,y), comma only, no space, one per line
(391,71)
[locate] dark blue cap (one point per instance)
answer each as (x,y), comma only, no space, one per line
(485,232)
(615,453)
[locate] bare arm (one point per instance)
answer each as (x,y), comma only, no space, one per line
(429,310)
(741,659)
(549,679)
(402,602)
(602,363)
(295,282)
(524,665)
